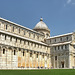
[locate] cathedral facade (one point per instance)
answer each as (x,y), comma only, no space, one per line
(21,47)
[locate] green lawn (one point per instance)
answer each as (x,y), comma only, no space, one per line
(38,72)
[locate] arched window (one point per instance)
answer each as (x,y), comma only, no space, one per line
(42,33)
(14,52)
(29,34)
(5,37)
(42,56)
(37,37)
(47,35)
(30,54)
(10,38)
(19,30)
(13,28)
(55,57)
(61,39)
(34,35)
(3,51)
(23,53)
(24,32)
(6,27)
(67,37)
(37,55)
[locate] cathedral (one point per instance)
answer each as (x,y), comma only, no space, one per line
(24,48)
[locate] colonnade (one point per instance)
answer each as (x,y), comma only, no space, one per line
(13,57)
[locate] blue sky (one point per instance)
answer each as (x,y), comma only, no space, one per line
(59,15)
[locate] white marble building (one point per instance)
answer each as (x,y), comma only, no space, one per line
(22,48)
(62,50)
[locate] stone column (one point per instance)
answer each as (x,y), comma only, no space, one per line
(14,58)
(37,64)
(25,57)
(54,61)
(28,59)
(45,60)
(39,59)
(1,56)
(70,60)
(49,61)
(7,57)
(17,57)
(57,60)
(35,60)
(21,58)
(32,59)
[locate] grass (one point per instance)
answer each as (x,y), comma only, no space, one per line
(38,72)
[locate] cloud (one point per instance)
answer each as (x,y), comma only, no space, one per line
(69,1)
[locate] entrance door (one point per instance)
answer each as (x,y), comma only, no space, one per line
(62,63)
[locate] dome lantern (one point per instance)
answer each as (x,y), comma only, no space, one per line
(41,19)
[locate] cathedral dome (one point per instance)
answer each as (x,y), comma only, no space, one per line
(41,25)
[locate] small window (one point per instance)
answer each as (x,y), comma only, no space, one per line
(24,42)
(3,51)
(65,46)
(37,37)
(28,43)
(35,45)
(38,45)
(55,57)
(5,37)
(42,56)
(23,53)
(13,28)
(19,30)
(74,46)
(10,38)
(60,39)
(29,34)
(61,47)
(31,44)
(55,47)
(14,52)
(67,37)
(30,54)
(20,41)
(58,47)
(50,40)
(34,52)
(24,32)
(16,39)
(34,35)
(55,40)
(41,46)
(6,27)
(37,55)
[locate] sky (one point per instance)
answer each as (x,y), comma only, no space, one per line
(59,15)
